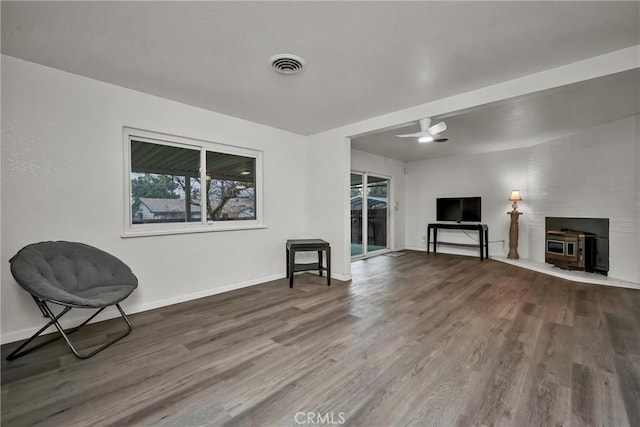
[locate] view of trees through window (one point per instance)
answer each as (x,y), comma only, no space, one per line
(166,185)
(377,187)
(230,187)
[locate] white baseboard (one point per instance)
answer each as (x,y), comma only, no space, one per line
(202,294)
(112,313)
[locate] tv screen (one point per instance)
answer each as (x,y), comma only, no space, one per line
(459,209)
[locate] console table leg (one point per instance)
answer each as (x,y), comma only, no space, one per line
(320,263)
(435,240)
(486,243)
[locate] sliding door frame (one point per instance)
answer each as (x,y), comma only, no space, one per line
(365,215)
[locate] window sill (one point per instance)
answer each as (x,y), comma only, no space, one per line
(199,229)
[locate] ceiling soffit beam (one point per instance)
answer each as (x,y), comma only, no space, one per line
(598,66)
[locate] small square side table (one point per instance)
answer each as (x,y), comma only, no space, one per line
(308,245)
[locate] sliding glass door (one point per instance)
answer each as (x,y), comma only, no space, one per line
(357,248)
(377,213)
(369,214)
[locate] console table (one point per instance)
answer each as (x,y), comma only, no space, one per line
(308,245)
(483,237)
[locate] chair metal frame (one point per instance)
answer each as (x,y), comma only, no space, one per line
(54,320)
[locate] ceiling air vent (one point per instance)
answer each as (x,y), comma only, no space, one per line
(287,64)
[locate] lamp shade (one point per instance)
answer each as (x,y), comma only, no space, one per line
(515,196)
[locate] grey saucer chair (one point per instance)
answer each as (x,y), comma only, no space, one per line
(72,275)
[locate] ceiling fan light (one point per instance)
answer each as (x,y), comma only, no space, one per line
(425,138)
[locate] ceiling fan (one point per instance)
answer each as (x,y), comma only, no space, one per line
(427,132)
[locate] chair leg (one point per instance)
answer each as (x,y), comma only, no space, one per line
(292,265)
(17,353)
(65,334)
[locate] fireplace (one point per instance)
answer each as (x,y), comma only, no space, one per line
(578,243)
(573,250)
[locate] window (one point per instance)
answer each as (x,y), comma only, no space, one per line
(231,187)
(165,193)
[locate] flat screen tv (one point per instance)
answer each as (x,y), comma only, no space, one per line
(459,209)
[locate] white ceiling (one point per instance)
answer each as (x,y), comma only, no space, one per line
(517,122)
(364,59)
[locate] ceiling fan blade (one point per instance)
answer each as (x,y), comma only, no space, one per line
(441,139)
(424,124)
(410,135)
(437,128)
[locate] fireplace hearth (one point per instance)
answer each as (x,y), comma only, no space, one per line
(578,243)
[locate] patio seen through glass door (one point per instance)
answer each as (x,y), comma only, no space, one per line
(369,211)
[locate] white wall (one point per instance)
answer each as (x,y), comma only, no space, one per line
(61,140)
(329,163)
(367,162)
(590,174)
(491,176)
(62,179)
(329,151)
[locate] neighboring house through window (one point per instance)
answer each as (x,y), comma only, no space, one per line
(177,184)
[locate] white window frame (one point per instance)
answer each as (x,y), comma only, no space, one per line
(203,226)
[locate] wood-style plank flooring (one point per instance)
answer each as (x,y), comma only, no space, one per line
(412,340)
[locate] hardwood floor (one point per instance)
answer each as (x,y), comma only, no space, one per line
(412,340)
